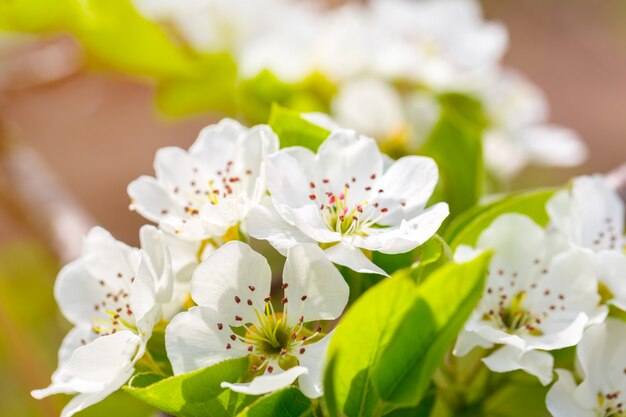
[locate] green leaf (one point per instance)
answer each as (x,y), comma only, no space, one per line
(444,302)
(466,228)
(115,35)
(394,337)
(39,16)
(422,410)
(288,402)
(211,89)
(455,143)
(196,394)
(521,396)
(293,130)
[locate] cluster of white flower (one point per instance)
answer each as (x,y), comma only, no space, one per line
(347,199)
(551,289)
(389,59)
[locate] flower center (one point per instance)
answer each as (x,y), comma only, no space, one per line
(271,340)
(223,183)
(610,404)
(113,313)
(513,316)
(348,219)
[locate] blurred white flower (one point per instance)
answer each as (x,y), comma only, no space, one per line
(214,25)
(113,295)
(202,193)
(347,200)
(518,134)
(602,365)
(370,106)
(235,317)
(540,295)
(443,44)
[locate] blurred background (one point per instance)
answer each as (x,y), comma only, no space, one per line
(72,139)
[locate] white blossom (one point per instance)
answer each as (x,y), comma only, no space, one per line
(602,364)
(235,317)
(113,294)
(518,132)
(347,200)
(202,193)
(540,295)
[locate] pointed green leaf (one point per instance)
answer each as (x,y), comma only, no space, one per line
(390,342)
(293,130)
(288,402)
(402,371)
(196,394)
(466,228)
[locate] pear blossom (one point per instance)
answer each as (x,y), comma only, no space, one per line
(345,199)
(602,364)
(518,132)
(370,106)
(540,295)
(235,317)
(590,214)
(202,193)
(113,295)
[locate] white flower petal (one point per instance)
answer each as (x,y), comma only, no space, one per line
(561,399)
(309,221)
(77,292)
(467,341)
(288,189)
(591,214)
(353,258)
(109,259)
(553,145)
(217,143)
(316,290)
(156,252)
(233,280)
(346,155)
(314,359)
(412,180)
(267,383)
(82,401)
(409,234)
(149,199)
(193,340)
(509,358)
(612,265)
(94,367)
(265,223)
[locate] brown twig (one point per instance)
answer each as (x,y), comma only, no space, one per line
(36,197)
